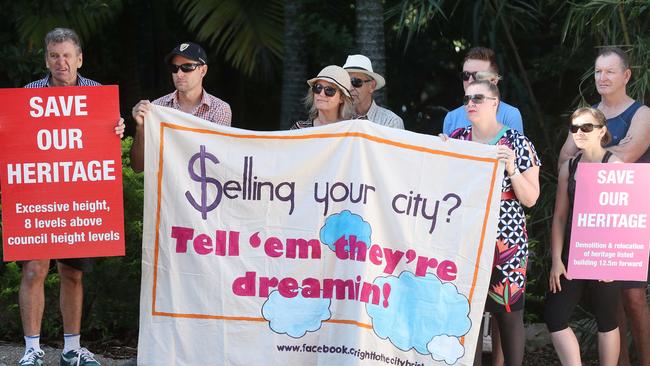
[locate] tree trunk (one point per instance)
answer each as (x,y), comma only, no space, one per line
(294,80)
(370,38)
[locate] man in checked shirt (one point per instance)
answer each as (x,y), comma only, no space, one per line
(188,65)
(63,59)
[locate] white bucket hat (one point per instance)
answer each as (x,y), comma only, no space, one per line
(362,64)
(334,74)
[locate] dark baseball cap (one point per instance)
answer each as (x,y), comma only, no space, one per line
(189,50)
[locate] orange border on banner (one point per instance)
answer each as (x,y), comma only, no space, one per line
(163,125)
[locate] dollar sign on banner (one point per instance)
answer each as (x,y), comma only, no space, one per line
(203,207)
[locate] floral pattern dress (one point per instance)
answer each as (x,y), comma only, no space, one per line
(508,280)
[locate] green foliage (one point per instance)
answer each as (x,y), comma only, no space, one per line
(332,40)
(414,15)
(35,18)
(112,291)
(248,33)
(26,64)
(622,23)
(9,311)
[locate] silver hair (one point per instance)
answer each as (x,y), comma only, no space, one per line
(346,109)
(58,35)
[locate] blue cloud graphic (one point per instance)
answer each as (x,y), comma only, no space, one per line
(419,308)
(297,315)
(345,223)
(446,348)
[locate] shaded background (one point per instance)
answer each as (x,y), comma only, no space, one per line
(261,52)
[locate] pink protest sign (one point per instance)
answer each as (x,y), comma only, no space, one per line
(610,239)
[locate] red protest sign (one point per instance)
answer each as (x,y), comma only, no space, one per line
(61,172)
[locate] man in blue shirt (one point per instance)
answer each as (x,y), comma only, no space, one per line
(480,63)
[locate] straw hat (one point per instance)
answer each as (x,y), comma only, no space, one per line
(362,64)
(334,74)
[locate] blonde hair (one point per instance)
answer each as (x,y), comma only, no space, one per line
(346,109)
(488,84)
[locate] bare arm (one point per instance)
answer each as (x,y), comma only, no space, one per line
(569,150)
(560,217)
(637,139)
(137,149)
(526,184)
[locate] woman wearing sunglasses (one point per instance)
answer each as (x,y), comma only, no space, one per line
(589,132)
(328,99)
(520,187)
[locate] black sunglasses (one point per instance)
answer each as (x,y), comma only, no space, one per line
(183,67)
(329,90)
(479,75)
(586,128)
(357,83)
(476,98)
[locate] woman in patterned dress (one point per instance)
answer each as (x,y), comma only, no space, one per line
(328,99)
(520,187)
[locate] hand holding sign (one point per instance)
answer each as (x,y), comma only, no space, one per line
(609,236)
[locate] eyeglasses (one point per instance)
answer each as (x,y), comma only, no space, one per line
(479,75)
(330,91)
(586,128)
(476,98)
(183,67)
(357,83)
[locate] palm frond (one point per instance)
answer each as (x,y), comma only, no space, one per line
(613,22)
(414,15)
(86,17)
(244,32)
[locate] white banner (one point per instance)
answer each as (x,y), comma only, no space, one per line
(349,244)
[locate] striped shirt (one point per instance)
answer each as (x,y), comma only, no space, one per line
(211,108)
(383,116)
(302,124)
(45,82)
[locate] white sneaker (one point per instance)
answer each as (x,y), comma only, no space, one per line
(79,357)
(32,358)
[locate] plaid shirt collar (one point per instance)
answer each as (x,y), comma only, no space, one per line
(204,100)
(81,81)
(371,111)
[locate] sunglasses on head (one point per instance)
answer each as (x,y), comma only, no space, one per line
(479,75)
(476,98)
(587,127)
(189,67)
(329,90)
(357,83)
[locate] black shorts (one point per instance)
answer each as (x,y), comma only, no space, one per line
(82,264)
(635,284)
(602,297)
